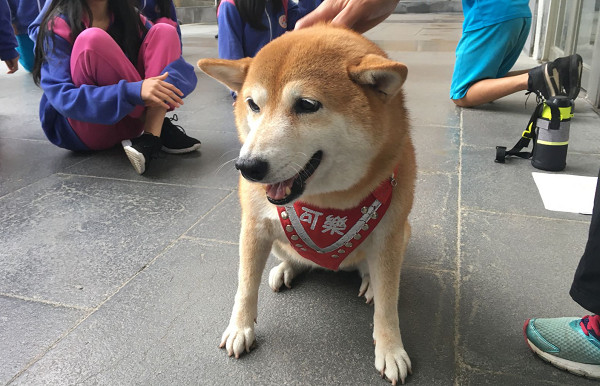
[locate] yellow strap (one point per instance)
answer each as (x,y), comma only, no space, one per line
(527,131)
(565,113)
(552,143)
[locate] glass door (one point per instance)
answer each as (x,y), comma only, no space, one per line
(587,45)
(566,28)
(576,29)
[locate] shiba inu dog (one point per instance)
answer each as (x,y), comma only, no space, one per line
(327,173)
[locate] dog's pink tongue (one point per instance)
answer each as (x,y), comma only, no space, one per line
(280,190)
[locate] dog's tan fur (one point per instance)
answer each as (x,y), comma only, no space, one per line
(363,112)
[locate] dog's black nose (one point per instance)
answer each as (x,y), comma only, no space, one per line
(253,169)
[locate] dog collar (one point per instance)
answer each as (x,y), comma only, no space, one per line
(327,236)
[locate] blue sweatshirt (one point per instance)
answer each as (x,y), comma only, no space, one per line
(238,39)
(24,13)
(483,13)
(8,42)
(97,104)
(307,6)
(148,8)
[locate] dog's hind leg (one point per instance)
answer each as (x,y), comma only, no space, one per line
(366,289)
(285,272)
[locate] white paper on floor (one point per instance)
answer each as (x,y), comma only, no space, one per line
(566,192)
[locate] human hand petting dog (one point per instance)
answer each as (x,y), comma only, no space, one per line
(360,15)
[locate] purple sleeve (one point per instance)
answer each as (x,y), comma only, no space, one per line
(96,104)
(35,25)
(8,42)
(182,75)
(231,31)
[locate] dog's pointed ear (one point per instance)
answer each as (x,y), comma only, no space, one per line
(383,74)
(231,73)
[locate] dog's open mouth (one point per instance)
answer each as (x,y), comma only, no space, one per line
(286,191)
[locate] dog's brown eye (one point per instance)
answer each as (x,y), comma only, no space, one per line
(253,106)
(304,106)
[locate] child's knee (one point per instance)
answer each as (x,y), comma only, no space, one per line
(460,102)
(93,35)
(166,20)
(163,29)
(93,39)
(163,35)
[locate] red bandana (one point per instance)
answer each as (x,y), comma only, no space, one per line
(327,236)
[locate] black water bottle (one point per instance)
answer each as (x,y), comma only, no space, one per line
(552,134)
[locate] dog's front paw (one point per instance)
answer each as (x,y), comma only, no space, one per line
(280,275)
(237,339)
(392,361)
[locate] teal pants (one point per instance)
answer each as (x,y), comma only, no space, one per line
(25,50)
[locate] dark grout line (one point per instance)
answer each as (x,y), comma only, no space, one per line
(206,214)
(458,361)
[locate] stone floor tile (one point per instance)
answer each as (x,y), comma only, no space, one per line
(433,222)
(514,268)
(164,327)
(510,187)
(222,223)
(28,329)
(75,240)
(23,162)
(436,148)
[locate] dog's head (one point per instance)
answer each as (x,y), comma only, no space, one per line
(318,111)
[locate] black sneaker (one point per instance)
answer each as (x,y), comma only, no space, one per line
(141,150)
(174,140)
(570,69)
(544,80)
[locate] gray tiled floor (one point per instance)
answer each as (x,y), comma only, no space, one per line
(111,278)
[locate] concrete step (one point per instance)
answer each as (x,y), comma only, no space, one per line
(195,3)
(205,11)
(197,14)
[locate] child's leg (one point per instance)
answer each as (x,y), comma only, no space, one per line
(98,60)
(483,59)
(160,47)
(488,90)
(25,50)
(586,284)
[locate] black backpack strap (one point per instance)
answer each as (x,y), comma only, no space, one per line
(555,120)
(526,137)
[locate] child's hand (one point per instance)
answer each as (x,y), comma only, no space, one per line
(12,64)
(360,15)
(158,93)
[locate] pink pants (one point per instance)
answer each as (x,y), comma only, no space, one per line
(98,60)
